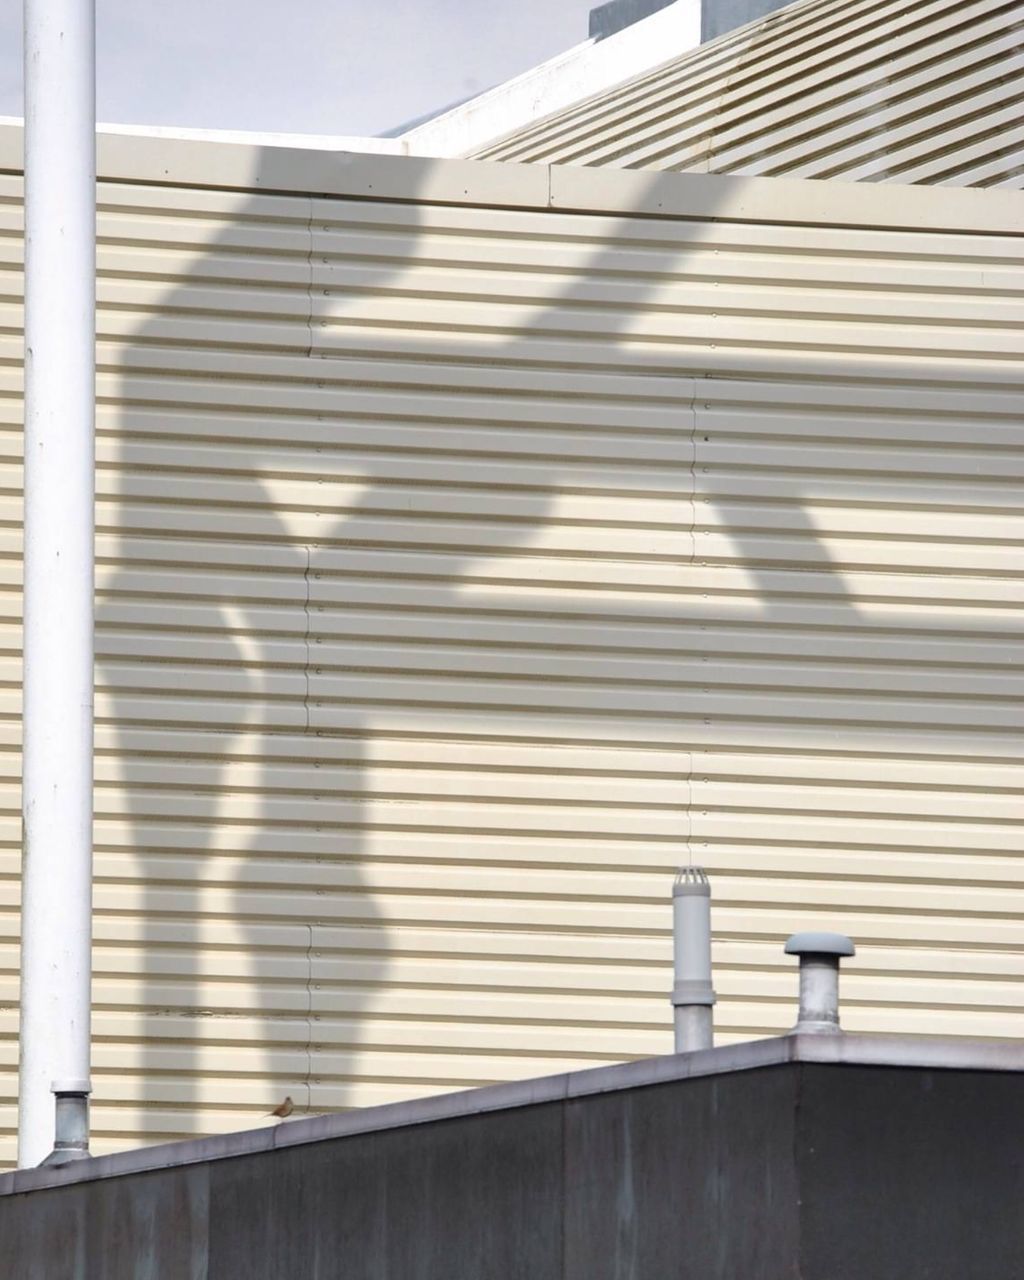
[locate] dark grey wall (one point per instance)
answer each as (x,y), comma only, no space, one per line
(911,1174)
(719,16)
(809,1171)
(612,1186)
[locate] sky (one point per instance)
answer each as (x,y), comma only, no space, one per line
(358,67)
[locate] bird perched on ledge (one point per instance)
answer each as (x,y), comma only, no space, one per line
(284,1110)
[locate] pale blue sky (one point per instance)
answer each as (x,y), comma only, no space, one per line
(302,66)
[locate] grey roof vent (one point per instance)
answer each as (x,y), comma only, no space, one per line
(719,16)
(819,978)
(616,15)
(716,16)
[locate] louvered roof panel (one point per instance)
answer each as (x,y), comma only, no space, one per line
(908,91)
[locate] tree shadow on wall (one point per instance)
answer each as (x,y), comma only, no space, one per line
(357,543)
(284,594)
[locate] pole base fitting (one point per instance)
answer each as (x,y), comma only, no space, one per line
(64,1155)
(71,1116)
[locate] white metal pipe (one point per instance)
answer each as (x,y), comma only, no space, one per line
(692,992)
(60,256)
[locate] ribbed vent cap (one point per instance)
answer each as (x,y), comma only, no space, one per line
(691,880)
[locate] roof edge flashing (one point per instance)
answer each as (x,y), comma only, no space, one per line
(913,1052)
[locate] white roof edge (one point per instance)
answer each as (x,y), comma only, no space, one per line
(304,173)
(247,137)
(568,78)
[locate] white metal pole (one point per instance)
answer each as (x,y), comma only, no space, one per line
(60,268)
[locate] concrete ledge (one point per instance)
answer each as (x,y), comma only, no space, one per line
(843,1050)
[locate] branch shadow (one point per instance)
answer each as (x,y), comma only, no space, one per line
(285,622)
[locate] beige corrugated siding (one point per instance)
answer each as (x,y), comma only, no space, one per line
(908,91)
(463,569)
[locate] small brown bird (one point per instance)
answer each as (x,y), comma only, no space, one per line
(284,1110)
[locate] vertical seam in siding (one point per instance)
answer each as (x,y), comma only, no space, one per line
(309,1018)
(307,645)
(307,656)
(309,923)
(309,279)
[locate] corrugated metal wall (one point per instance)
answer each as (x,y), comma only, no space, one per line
(922,91)
(464,569)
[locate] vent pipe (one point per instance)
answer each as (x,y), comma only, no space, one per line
(819,979)
(692,993)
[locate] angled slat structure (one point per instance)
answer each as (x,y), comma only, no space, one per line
(474,547)
(904,91)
